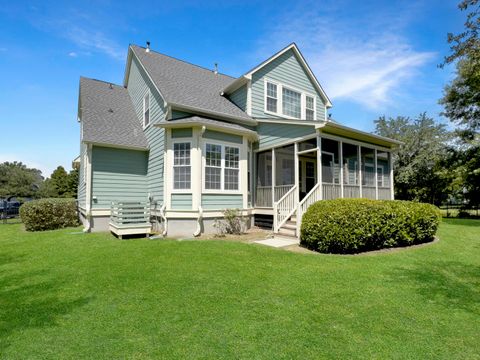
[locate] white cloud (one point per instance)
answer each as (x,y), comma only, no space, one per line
(72,54)
(94,41)
(366,65)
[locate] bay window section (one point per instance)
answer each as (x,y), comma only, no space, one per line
(222,167)
(292,103)
(181,166)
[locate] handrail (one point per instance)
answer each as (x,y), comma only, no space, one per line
(284,208)
(312,197)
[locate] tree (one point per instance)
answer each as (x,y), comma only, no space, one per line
(417,170)
(60,184)
(16,179)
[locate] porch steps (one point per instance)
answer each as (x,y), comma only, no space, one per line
(289,229)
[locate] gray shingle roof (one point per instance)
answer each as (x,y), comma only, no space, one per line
(184,84)
(108,116)
(199,120)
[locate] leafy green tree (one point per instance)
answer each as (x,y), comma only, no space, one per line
(16,179)
(60,184)
(60,180)
(418,173)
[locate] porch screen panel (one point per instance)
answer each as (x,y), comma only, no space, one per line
(350,164)
(330,162)
(383,175)
(263,189)
(285,166)
(368,173)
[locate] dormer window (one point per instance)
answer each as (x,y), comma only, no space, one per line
(272,97)
(285,101)
(146,110)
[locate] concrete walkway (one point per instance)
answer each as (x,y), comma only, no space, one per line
(278,242)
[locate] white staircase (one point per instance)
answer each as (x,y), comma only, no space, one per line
(288,212)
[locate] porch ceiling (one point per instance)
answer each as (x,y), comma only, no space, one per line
(329,127)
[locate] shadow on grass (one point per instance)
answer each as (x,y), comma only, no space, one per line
(454,285)
(466,222)
(30,300)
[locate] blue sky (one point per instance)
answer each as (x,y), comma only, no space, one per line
(371,57)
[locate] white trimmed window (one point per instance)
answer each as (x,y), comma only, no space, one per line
(146,110)
(286,101)
(309,108)
(181,166)
(213,167)
(222,167)
(272,99)
(292,103)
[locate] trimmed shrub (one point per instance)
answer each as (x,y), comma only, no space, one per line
(346,226)
(49,214)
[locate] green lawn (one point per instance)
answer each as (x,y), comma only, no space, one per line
(70,295)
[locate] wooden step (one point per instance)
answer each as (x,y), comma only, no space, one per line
(290,222)
(293,218)
(287,232)
(289,225)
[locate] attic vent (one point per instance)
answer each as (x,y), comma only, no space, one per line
(215,69)
(148,47)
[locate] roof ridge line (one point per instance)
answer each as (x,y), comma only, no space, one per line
(102,81)
(185,61)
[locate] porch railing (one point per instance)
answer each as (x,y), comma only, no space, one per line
(264,194)
(312,197)
(384,193)
(284,208)
(351,191)
(368,192)
(331,191)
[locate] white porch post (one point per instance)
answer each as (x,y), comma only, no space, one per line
(390,160)
(319,164)
(196,166)
(376,174)
(274,170)
(340,163)
(296,172)
(360,168)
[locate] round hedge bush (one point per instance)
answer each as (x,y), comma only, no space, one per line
(346,226)
(49,214)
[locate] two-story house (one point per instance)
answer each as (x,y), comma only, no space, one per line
(188,142)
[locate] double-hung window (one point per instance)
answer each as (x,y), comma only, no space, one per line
(309,108)
(292,103)
(222,167)
(272,99)
(213,167)
(146,110)
(181,166)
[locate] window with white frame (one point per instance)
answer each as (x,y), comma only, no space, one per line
(222,167)
(146,110)
(232,168)
(213,167)
(181,165)
(272,99)
(292,103)
(309,108)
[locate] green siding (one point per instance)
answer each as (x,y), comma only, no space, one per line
(273,134)
(81,191)
(181,133)
(181,201)
(222,201)
(287,70)
(138,85)
(220,136)
(239,97)
(118,174)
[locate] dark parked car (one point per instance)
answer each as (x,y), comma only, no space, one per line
(9,209)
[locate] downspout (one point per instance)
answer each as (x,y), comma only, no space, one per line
(88,191)
(162,215)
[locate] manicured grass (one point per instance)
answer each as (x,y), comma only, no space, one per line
(70,295)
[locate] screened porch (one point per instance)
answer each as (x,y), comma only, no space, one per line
(329,161)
